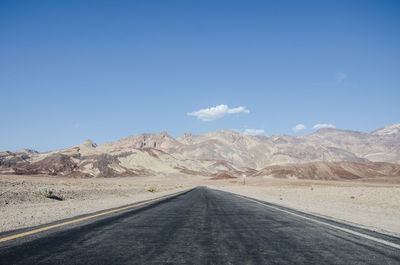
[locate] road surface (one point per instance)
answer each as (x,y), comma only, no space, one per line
(202,226)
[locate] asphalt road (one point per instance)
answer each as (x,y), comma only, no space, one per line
(202,226)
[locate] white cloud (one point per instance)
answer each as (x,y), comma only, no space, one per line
(253,132)
(341,77)
(299,127)
(323,125)
(217,112)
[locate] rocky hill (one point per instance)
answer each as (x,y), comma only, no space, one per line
(332,170)
(330,145)
(327,153)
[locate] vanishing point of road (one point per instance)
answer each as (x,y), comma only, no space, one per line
(201,226)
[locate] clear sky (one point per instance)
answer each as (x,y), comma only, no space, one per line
(72,70)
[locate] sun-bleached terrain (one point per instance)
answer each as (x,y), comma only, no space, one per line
(371,205)
(347,175)
(23,205)
(327,154)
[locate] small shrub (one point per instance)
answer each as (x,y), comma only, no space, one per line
(151,189)
(48,193)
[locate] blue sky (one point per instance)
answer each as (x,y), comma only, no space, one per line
(71,70)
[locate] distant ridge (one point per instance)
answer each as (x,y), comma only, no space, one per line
(326,153)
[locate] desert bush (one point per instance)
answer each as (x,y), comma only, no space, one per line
(151,189)
(48,193)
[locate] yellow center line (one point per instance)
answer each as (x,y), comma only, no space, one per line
(85,218)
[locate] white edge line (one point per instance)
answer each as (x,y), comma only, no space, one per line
(330,225)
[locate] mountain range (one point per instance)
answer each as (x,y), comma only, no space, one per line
(325,154)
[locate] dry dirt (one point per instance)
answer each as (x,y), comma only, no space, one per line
(372,205)
(375,205)
(21,204)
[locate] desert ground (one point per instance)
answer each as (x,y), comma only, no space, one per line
(370,204)
(22,205)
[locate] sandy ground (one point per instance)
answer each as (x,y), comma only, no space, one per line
(372,205)
(21,204)
(375,206)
